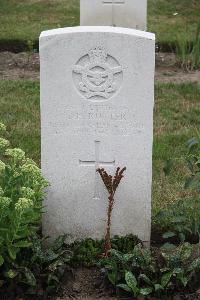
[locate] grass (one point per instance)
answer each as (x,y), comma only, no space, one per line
(176,118)
(167,26)
(189,57)
(23,20)
(19,110)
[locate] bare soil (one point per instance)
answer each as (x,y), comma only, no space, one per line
(167,70)
(16,66)
(86,284)
(89,284)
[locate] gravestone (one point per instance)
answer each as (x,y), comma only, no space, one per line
(97,97)
(120,13)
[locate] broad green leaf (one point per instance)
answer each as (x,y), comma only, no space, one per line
(53,266)
(183,279)
(194,265)
(30,278)
(190,182)
(131,281)
(12,252)
(11,274)
(22,233)
(116,254)
(168,247)
(146,279)
(51,255)
(124,287)
(22,244)
(177,271)
(158,287)
(198,161)
(181,237)
(186,251)
(59,242)
(112,277)
(193,142)
(166,279)
(128,256)
(168,234)
(146,291)
(1,260)
(190,165)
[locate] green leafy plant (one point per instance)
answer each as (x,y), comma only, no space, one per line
(118,263)
(180,267)
(132,285)
(21,194)
(111,183)
(144,272)
(37,270)
(24,262)
(125,244)
(182,218)
(193,163)
(88,252)
(189,55)
(46,267)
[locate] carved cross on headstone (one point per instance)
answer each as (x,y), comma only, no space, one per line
(96,163)
(113,1)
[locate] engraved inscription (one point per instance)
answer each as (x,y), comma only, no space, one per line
(103,120)
(97,75)
(96,163)
(97,119)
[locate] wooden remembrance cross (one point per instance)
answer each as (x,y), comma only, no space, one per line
(96,163)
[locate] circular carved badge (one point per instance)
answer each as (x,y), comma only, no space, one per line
(97,75)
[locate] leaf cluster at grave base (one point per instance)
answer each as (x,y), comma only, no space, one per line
(157,271)
(88,252)
(173,266)
(38,270)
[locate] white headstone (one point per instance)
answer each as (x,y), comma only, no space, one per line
(120,13)
(97,97)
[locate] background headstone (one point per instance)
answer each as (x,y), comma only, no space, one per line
(120,13)
(97,97)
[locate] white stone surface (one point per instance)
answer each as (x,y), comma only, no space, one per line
(120,13)
(97,97)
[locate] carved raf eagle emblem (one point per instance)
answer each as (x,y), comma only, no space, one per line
(99,75)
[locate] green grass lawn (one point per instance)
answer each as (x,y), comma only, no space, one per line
(177,111)
(23,20)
